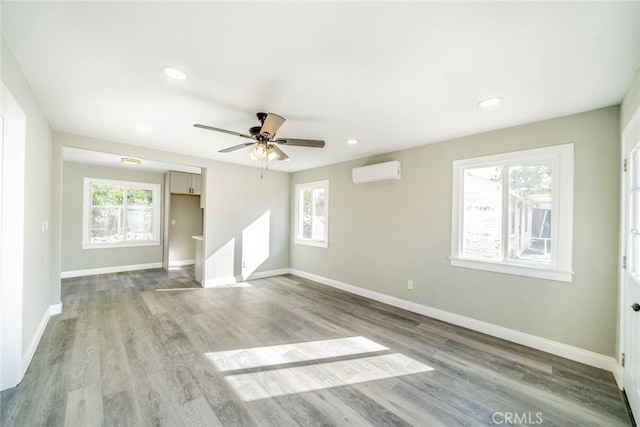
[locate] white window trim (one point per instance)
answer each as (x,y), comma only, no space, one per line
(86,205)
(310,242)
(559,269)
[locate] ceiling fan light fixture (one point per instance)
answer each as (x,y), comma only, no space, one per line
(259,152)
(174,73)
(272,155)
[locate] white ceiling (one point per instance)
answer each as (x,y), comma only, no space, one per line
(71,154)
(393,75)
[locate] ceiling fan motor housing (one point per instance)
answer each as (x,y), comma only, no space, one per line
(262,117)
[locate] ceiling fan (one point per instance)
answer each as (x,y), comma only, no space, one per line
(263,137)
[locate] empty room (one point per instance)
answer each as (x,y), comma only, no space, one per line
(319,213)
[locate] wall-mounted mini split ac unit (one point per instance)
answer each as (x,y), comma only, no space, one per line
(378,172)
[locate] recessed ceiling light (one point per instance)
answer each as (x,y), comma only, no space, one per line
(174,73)
(490,102)
(142,128)
(130,161)
(352,141)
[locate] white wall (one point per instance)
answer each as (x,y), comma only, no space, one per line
(382,234)
(36,252)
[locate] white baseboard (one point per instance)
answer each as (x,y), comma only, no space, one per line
(270,273)
(107,270)
(559,349)
(33,345)
(219,281)
(182,262)
(618,372)
(229,280)
(55,309)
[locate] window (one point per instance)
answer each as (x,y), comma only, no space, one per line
(118,213)
(512,213)
(312,213)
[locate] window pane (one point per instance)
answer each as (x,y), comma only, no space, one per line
(311,213)
(530,213)
(482,216)
(139,214)
(106,215)
(318,214)
(307,211)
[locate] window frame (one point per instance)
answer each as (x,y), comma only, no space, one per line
(86,207)
(311,242)
(560,267)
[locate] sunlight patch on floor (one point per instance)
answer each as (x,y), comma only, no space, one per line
(257,357)
(278,370)
(280,382)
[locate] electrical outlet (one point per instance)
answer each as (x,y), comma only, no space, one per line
(409,284)
(173,222)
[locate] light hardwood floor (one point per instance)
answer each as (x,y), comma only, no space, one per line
(148,348)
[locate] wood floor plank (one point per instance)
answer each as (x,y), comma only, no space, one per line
(84,407)
(152,348)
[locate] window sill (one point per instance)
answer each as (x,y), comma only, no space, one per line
(515,269)
(120,245)
(317,243)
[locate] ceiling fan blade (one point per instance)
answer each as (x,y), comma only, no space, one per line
(281,154)
(313,143)
(271,124)
(236,147)
(230,132)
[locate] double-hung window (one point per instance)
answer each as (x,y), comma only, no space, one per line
(118,213)
(512,213)
(312,214)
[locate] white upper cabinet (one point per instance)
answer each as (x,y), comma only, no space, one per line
(186,183)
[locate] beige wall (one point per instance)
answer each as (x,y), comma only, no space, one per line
(382,234)
(73,256)
(37,200)
(234,196)
(240,198)
(186,212)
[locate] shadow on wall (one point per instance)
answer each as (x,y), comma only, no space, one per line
(221,266)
